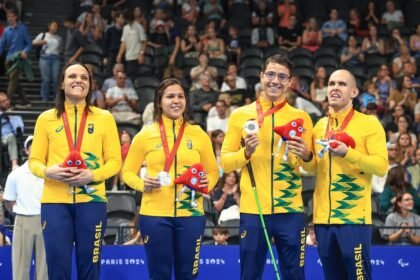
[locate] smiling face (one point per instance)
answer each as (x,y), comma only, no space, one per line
(75,84)
(275,89)
(407,202)
(341,90)
(173,102)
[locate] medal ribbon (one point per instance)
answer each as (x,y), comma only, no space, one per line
(262,115)
(329,133)
(170,156)
(74,146)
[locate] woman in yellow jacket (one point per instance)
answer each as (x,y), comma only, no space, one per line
(73,204)
(172,225)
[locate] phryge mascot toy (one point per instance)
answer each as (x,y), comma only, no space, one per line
(286,132)
(74,159)
(191,180)
(339,136)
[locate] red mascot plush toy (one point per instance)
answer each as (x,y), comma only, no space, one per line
(191,180)
(286,132)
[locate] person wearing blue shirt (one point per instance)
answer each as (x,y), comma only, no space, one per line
(16,44)
(10,126)
(334,27)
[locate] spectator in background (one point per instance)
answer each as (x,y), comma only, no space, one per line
(356,26)
(11,127)
(172,52)
(404,217)
(262,14)
(190,11)
(227,193)
(23,196)
(370,95)
(262,36)
(201,100)
(319,88)
(396,184)
(140,18)
(415,42)
(133,45)
(403,57)
(405,149)
(203,68)
(302,101)
(240,82)
(98,98)
(122,101)
(394,43)
(312,36)
(159,15)
(406,95)
(233,46)
(284,10)
(310,237)
(130,233)
(217,136)
(385,85)
(414,171)
(220,237)
(372,44)
(378,182)
(219,121)
(15,44)
(49,62)
(334,27)
(214,47)
(404,126)
(213,11)
(112,41)
(392,17)
(90,31)
(125,140)
(75,42)
(190,44)
(410,71)
(112,81)
(290,37)
(372,15)
(352,55)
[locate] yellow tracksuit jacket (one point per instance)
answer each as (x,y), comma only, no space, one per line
(279,185)
(195,147)
(100,149)
(343,186)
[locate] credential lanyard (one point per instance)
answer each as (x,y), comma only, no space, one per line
(74,146)
(262,115)
(329,133)
(170,155)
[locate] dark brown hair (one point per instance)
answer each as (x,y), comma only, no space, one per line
(396,180)
(399,198)
(280,59)
(157,113)
(61,96)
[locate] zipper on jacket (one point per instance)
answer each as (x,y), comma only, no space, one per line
(329,186)
(173,130)
(272,162)
(74,143)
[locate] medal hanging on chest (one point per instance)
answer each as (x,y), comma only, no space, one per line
(74,158)
(163,176)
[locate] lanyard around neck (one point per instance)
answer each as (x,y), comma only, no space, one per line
(169,156)
(329,133)
(74,146)
(262,115)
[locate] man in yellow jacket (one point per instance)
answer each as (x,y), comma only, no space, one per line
(277,176)
(342,198)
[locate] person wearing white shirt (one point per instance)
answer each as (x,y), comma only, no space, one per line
(240,82)
(23,194)
(220,120)
(49,62)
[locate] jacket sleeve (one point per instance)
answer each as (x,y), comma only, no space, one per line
(307,138)
(133,162)
(111,151)
(209,162)
(39,149)
(376,160)
(232,154)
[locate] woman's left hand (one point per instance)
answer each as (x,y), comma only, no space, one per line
(81,177)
